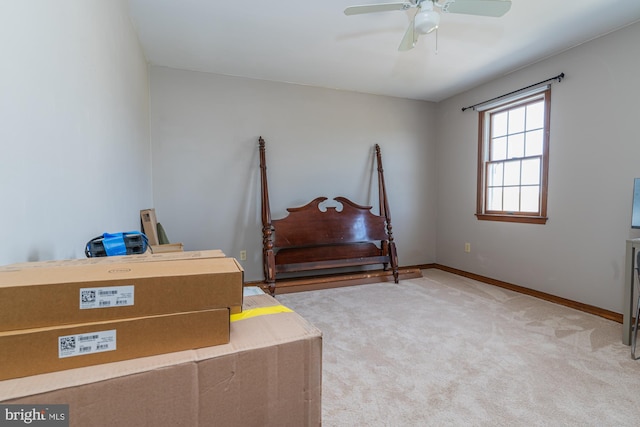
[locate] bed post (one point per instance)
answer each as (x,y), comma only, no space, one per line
(384,212)
(268,257)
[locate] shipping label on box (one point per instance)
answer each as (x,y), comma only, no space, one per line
(111,296)
(88,343)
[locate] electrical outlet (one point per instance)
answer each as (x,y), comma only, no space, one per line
(243,255)
(467,247)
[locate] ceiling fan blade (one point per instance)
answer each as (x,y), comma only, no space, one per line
(493,8)
(410,37)
(382,7)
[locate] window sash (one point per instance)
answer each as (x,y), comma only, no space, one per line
(498,182)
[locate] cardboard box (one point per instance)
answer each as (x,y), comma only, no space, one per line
(41,297)
(269,374)
(149,225)
(146,257)
(167,247)
(36,351)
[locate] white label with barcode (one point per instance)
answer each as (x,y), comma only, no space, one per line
(90,343)
(110,296)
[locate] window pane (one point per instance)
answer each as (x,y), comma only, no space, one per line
(516,120)
(531,171)
(516,146)
(494,199)
(499,149)
(535,115)
(512,199)
(534,143)
(494,175)
(530,199)
(512,173)
(499,124)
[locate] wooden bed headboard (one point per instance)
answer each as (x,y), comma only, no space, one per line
(309,238)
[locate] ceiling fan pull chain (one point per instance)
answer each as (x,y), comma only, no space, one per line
(436,41)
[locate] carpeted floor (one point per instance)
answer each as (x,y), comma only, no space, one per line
(444,350)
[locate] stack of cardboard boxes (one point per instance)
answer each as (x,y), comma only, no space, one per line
(62,315)
(266,370)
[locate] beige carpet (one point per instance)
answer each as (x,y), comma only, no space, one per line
(444,350)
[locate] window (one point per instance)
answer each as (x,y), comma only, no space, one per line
(513,159)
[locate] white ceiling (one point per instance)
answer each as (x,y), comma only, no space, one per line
(312,42)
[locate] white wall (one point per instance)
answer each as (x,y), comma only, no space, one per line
(74,132)
(206,182)
(594,156)
(76,159)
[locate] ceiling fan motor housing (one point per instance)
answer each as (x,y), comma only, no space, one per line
(426,21)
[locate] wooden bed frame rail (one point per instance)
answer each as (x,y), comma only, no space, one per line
(310,239)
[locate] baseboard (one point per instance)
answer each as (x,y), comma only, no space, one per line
(597,311)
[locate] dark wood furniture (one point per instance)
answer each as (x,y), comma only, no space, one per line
(310,239)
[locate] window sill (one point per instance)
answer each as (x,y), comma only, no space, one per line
(513,218)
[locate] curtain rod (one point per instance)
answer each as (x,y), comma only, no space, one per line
(559,78)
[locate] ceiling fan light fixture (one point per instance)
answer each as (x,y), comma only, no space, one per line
(427,21)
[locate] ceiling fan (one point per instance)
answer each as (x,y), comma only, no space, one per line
(427,19)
